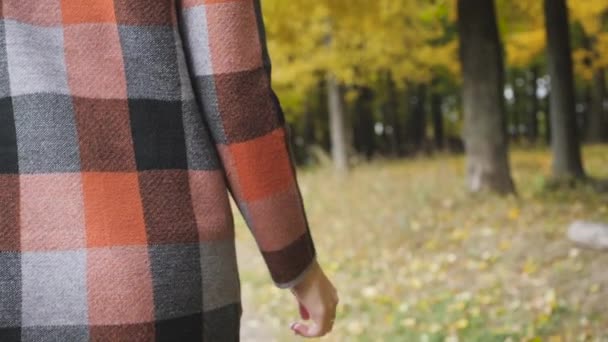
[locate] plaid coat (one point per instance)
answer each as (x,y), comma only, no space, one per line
(125,125)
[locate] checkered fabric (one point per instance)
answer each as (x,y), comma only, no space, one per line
(125,126)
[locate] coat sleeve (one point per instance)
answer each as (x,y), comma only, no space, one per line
(225,45)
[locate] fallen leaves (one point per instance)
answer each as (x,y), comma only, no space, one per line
(416,259)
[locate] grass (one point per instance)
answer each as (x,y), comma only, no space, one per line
(417,258)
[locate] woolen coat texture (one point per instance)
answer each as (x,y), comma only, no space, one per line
(125,126)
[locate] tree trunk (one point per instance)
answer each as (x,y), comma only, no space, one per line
(513,111)
(364,123)
(438,134)
(419,118)
(534,105)
(416,119)
(339,152)
(323,133)
(548,119)
(596,123)
(565,143)
(309,123)
(409,113)
(484,125)
(391,116)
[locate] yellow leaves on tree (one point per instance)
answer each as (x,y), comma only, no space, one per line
(591,16)
(355,40)
(358,40)
(522,26)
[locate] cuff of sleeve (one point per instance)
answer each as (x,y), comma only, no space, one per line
(298,278)
(289,265)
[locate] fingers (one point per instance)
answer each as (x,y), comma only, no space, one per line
(317,299)
(304,313)
(321,325)
(312,330)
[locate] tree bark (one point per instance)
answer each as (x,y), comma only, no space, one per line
(534,105)
(309,123)
(438,134)
(548,119)
(339,152)
(484,110)
(391,116)
(419,118)
(514,110)
(596,124)
(565,142)
(415,126)
(364,123)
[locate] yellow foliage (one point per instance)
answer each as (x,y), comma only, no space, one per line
(355,40)
(590,15)
(358,40)
(523,47)
(523,30)
(524,33)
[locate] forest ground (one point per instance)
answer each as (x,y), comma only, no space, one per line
(417,258)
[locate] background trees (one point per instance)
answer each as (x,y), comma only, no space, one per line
(373,79)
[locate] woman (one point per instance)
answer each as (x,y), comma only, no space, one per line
(124,127)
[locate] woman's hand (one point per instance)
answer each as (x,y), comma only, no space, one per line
(317,299)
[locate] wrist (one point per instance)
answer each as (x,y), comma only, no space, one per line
(313,272)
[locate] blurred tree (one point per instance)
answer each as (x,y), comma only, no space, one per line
(391,75)
(591,60)
(532,90)
(364,122)
(482,70)
(565,141)
(437,113)
(393,127)
(522,26)
(337,125)
(597,123)
(417,123)
(367,39)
